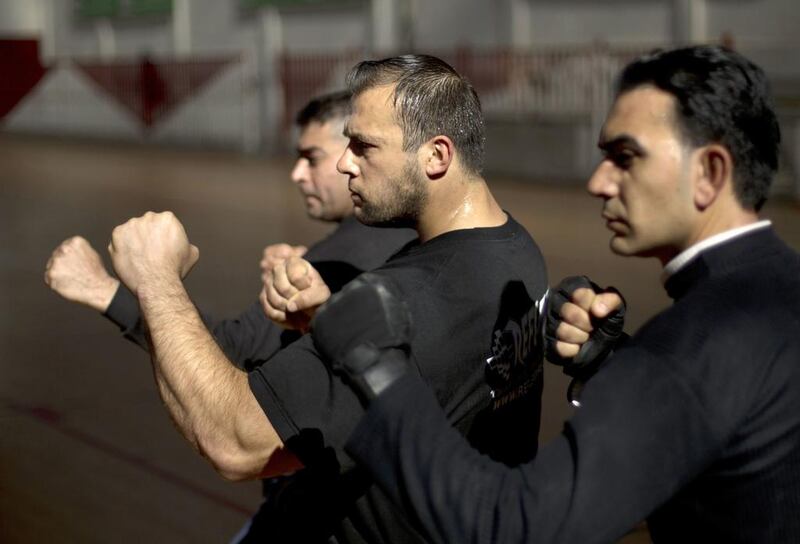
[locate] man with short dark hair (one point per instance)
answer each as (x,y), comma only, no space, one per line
(413,159)
(694,423)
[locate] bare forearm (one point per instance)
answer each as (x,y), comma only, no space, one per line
(208,398)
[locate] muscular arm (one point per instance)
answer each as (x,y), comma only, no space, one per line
(208,398)
(247,339)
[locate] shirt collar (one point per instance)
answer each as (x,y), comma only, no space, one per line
(680,260)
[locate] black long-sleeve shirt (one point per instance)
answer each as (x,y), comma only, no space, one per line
(694,425)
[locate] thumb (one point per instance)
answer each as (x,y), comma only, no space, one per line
(298,271)
(309,298)
(194,256)
(583,298)
(606,303)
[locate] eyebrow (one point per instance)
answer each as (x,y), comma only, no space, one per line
(623,140)
(355,135)
(309,150)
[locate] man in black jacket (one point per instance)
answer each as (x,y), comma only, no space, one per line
(694,423)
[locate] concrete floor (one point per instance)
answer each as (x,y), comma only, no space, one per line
(87,452)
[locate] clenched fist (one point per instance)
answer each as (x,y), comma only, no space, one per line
(151,248)
(293,290)
(76,272)
(277,253)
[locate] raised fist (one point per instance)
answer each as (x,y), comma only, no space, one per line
(292,292)
(76,272)
(150,248)
(277,253)
(583,323)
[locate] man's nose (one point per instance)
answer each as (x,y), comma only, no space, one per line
(603,181)
(345,163)
(300,170)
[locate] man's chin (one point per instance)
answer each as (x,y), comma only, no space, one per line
(621,246)
(373,220)
(624,247)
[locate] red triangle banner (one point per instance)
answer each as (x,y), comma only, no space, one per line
(20,71)
(150,90)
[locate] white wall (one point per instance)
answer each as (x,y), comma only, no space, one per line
(756,22)
(220,26)
(452,23)
(767,31)
(616,22)
(21,18)
(329,30)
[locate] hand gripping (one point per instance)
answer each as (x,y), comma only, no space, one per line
(363,333)
(606,334)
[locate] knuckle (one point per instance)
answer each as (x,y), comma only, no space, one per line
(566,350)
(570,312)
(274,299)
(568,333)
(583,297)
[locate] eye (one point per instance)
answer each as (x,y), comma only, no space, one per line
(622,159)
(313,158)
(359,147)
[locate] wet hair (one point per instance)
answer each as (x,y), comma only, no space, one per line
(324,108)
(721,97)
(430,98)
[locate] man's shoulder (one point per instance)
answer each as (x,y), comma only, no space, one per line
(509,240)
(470,263)
(738,313)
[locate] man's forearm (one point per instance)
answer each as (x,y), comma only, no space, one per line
(208,398)
(247,340)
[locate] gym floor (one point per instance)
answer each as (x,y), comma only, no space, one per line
(87,452)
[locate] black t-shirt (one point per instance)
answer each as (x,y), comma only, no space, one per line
(472,296)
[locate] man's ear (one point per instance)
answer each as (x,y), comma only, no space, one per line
(715,173)
(437,156)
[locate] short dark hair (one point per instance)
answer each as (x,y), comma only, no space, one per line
(430,98)
(323,108)
(721,97)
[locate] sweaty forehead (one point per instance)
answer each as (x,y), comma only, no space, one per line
(373,108)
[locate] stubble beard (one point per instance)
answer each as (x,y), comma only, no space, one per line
(404,204)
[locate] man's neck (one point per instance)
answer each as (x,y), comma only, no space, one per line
(723,223)
(459,205)
(719,237)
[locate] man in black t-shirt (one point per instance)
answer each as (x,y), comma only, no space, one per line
(414,159)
